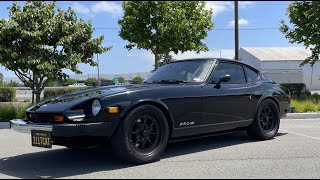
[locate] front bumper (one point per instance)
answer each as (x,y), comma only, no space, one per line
(65,130)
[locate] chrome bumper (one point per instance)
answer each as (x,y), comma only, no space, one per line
(24,127)
(65,130)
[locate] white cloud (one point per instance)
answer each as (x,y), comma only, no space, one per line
(241,22)
(218,6)
(245,4)
(80,8)
(222,6)
(112,8)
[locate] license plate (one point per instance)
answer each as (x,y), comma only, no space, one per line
(41,139)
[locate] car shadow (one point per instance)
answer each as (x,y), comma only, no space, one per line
(60,163)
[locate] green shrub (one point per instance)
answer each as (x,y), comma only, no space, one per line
(12,111)
(7,94)
(7,112)
(296,88)
(305,106)
(54,92)
(315,97)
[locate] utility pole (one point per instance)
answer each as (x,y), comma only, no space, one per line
(236,31)
(98,70)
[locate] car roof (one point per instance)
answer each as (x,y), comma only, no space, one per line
(218,59)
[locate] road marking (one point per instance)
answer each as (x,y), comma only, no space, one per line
(300,134)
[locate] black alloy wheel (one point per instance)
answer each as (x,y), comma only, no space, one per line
(141,136)
(266,123)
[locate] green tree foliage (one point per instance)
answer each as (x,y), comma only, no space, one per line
(165,26)
(91,82)
(121,80)
(304,17)
(106,82)
(1,79)
(12,84)
(69,81)
(137,80)
(40,39)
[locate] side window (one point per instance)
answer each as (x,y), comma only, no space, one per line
(234,70)
(252,75)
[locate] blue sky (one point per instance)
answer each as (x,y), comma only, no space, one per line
(254,16)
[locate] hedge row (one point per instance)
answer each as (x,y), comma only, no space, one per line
(7,94)
(296,88)
(54,92)
(13,111)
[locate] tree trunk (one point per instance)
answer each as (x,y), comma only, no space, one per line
(156,60)
(38,94)
(32,96)
(38,97)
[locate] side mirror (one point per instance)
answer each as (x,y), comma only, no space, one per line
(224,78)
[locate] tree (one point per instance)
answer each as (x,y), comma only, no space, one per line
(12,84)
(121,80)
(137,80)
(106,82)
(1,79)
(91,82)
(165,26)
(39,40)
(304,16)
(69,81)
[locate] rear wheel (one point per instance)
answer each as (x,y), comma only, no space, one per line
(266,123)
(142,136)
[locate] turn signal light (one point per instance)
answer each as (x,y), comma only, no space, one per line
(113,110)
(59,118)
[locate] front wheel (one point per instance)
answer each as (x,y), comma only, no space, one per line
(266,123)
(142,136)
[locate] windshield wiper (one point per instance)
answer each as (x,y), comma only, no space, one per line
(173,81)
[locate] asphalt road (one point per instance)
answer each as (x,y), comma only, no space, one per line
(294,153)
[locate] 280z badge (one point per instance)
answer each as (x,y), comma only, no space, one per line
(187,123)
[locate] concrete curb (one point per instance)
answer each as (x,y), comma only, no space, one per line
(303,116)
(4,125)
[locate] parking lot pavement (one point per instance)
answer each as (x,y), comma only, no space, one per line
(294,153)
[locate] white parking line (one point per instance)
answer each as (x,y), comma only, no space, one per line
(300,134)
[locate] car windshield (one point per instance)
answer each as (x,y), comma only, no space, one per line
(195,71)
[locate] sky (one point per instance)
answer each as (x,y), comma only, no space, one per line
(258,23)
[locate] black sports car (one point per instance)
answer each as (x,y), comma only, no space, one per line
(183,99)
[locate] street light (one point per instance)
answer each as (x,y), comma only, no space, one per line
(217,50)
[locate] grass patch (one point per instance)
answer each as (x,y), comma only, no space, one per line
(305,106)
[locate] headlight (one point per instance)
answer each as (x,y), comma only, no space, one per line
(77,115)
(96,107)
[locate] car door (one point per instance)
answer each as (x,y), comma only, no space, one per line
(226,106)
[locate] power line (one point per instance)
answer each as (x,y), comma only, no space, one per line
(218,29)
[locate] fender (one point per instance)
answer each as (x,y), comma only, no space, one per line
(158,103)
(264,97)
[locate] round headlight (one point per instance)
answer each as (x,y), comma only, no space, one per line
(96,107)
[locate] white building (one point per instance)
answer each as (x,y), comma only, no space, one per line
(282,64)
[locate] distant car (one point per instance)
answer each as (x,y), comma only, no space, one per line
(181,100)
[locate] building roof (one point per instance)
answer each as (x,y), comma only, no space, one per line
(278,53)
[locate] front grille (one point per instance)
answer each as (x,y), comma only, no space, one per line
(42,118)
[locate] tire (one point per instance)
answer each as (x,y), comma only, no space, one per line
(130,141)
(264,127)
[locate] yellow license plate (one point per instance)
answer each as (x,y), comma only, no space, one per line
(41,139)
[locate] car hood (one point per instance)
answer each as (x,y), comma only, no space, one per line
(61,103)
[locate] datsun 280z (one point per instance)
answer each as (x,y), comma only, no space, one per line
(181,100)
